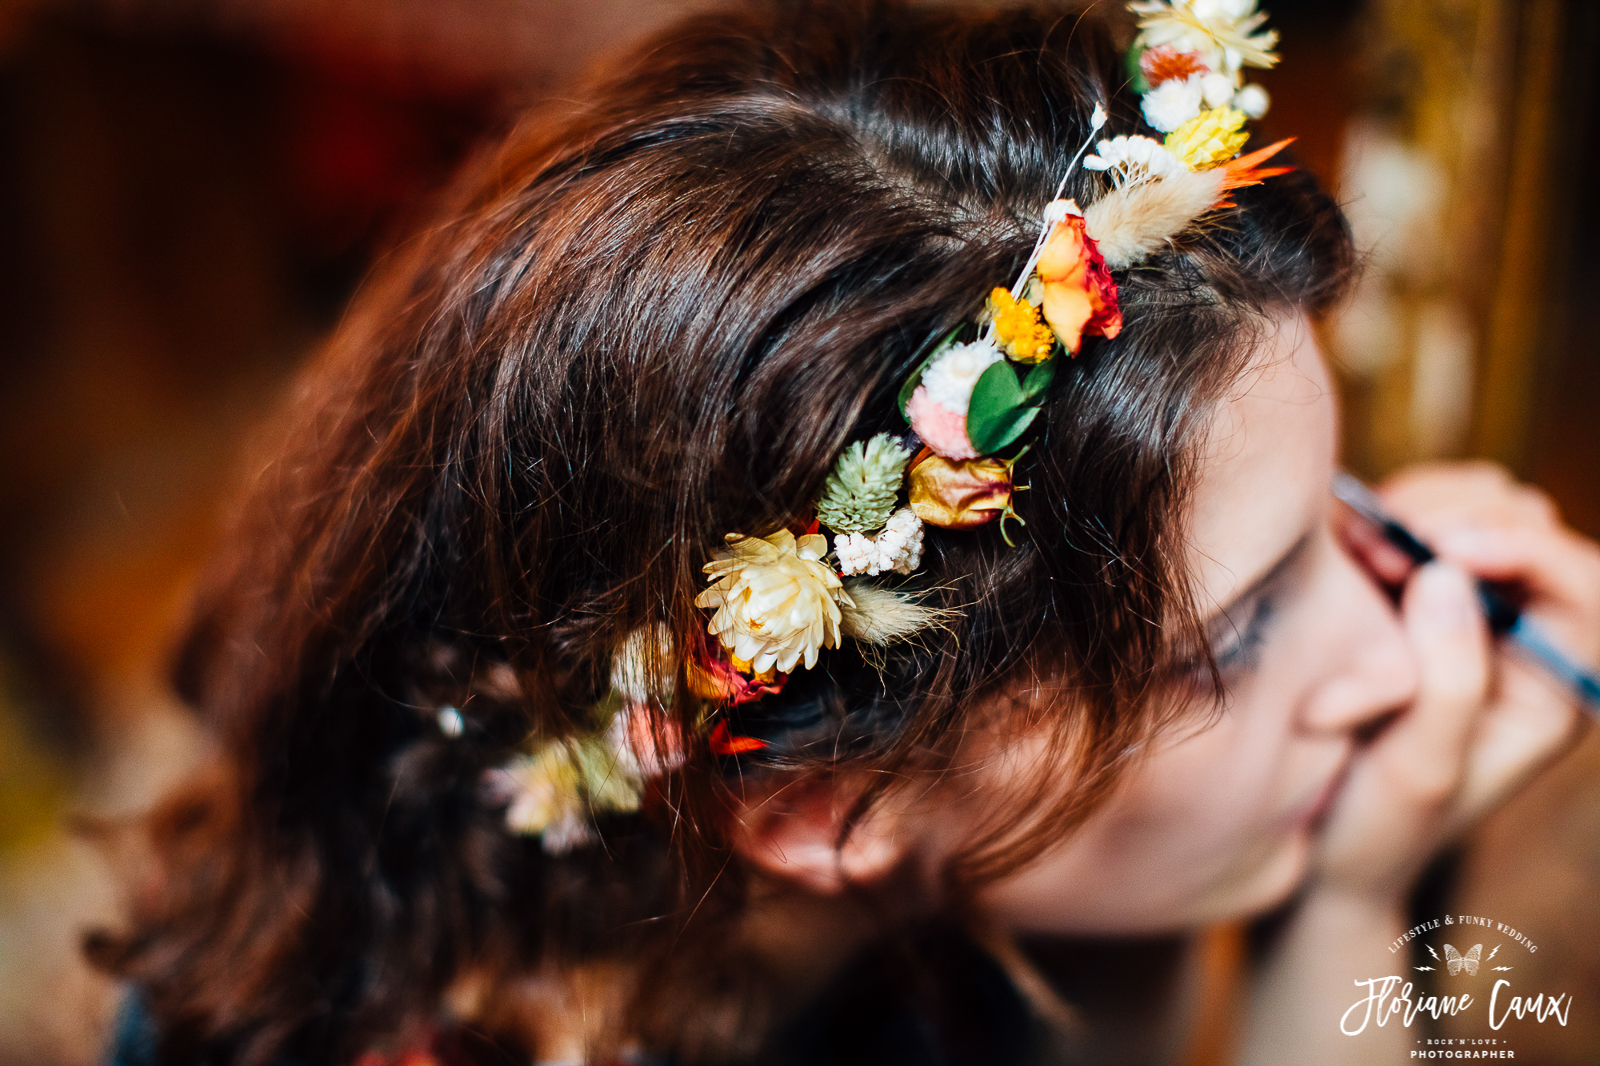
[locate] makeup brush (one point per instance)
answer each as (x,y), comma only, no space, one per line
(1504,617)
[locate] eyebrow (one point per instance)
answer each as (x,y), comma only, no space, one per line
(1226,612)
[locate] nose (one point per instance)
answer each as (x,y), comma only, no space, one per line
(1371,668)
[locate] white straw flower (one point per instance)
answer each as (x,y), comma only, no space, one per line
(1172,103)
(776,602)
(1223,32)
(567,833)
(950,378)
(540,789)
(1233,10)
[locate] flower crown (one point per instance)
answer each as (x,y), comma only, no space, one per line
(777,601)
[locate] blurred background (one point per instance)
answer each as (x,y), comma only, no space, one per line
(190,190)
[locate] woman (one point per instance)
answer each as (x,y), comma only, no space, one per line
(509,765)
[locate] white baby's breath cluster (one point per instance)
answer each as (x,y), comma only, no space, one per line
(1134,159)
(897,548)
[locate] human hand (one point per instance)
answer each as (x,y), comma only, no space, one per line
(1477,517)
(1483,720)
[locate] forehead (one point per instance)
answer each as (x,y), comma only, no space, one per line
(1265,466)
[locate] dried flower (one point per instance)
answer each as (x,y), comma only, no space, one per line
(863,486)
(1165,63)
(723,742)
(1209,139)
(713,676)
(1019,329)
(952,374)
(646,747)
(940,428)
(776,602)
(960,495)
(1134,159)
(1253,100)
(643,666)
(878,615)
(898,547)
(1080,295)
(1138,218)
(1222,32)
(1171,104)
(553,791)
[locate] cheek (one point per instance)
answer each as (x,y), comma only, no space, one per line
(1208,802)
(1197,833)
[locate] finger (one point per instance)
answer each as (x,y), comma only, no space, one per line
(1528,726)
(1556,568)
(1435,499)
(1447,633)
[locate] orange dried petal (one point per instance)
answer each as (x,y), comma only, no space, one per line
(1166,63)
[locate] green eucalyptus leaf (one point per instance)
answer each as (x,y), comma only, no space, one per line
(998,412)
(916,375)
(1039,379)
(1136,79)
(1023,418)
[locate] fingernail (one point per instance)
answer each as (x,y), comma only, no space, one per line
(1443,595)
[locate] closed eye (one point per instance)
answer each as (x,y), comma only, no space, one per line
(1240,652)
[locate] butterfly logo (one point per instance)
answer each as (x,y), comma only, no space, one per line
(1458,962)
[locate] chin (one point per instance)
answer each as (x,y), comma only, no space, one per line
(1274,880)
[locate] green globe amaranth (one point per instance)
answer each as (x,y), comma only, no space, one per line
(863,486)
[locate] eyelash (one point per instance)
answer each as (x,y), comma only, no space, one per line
(1242,654)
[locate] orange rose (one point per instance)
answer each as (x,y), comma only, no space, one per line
(1080,295)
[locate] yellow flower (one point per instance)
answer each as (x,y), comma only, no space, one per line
(1019,329)
(554,791)
(777,603)
(1209,139)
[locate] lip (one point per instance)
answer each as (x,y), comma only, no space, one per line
(1310,815)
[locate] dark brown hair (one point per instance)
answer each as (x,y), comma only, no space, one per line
(642,323)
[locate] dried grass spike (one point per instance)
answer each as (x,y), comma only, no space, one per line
(1136,220)
(878,615)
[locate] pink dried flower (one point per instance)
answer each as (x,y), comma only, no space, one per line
(940,428)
